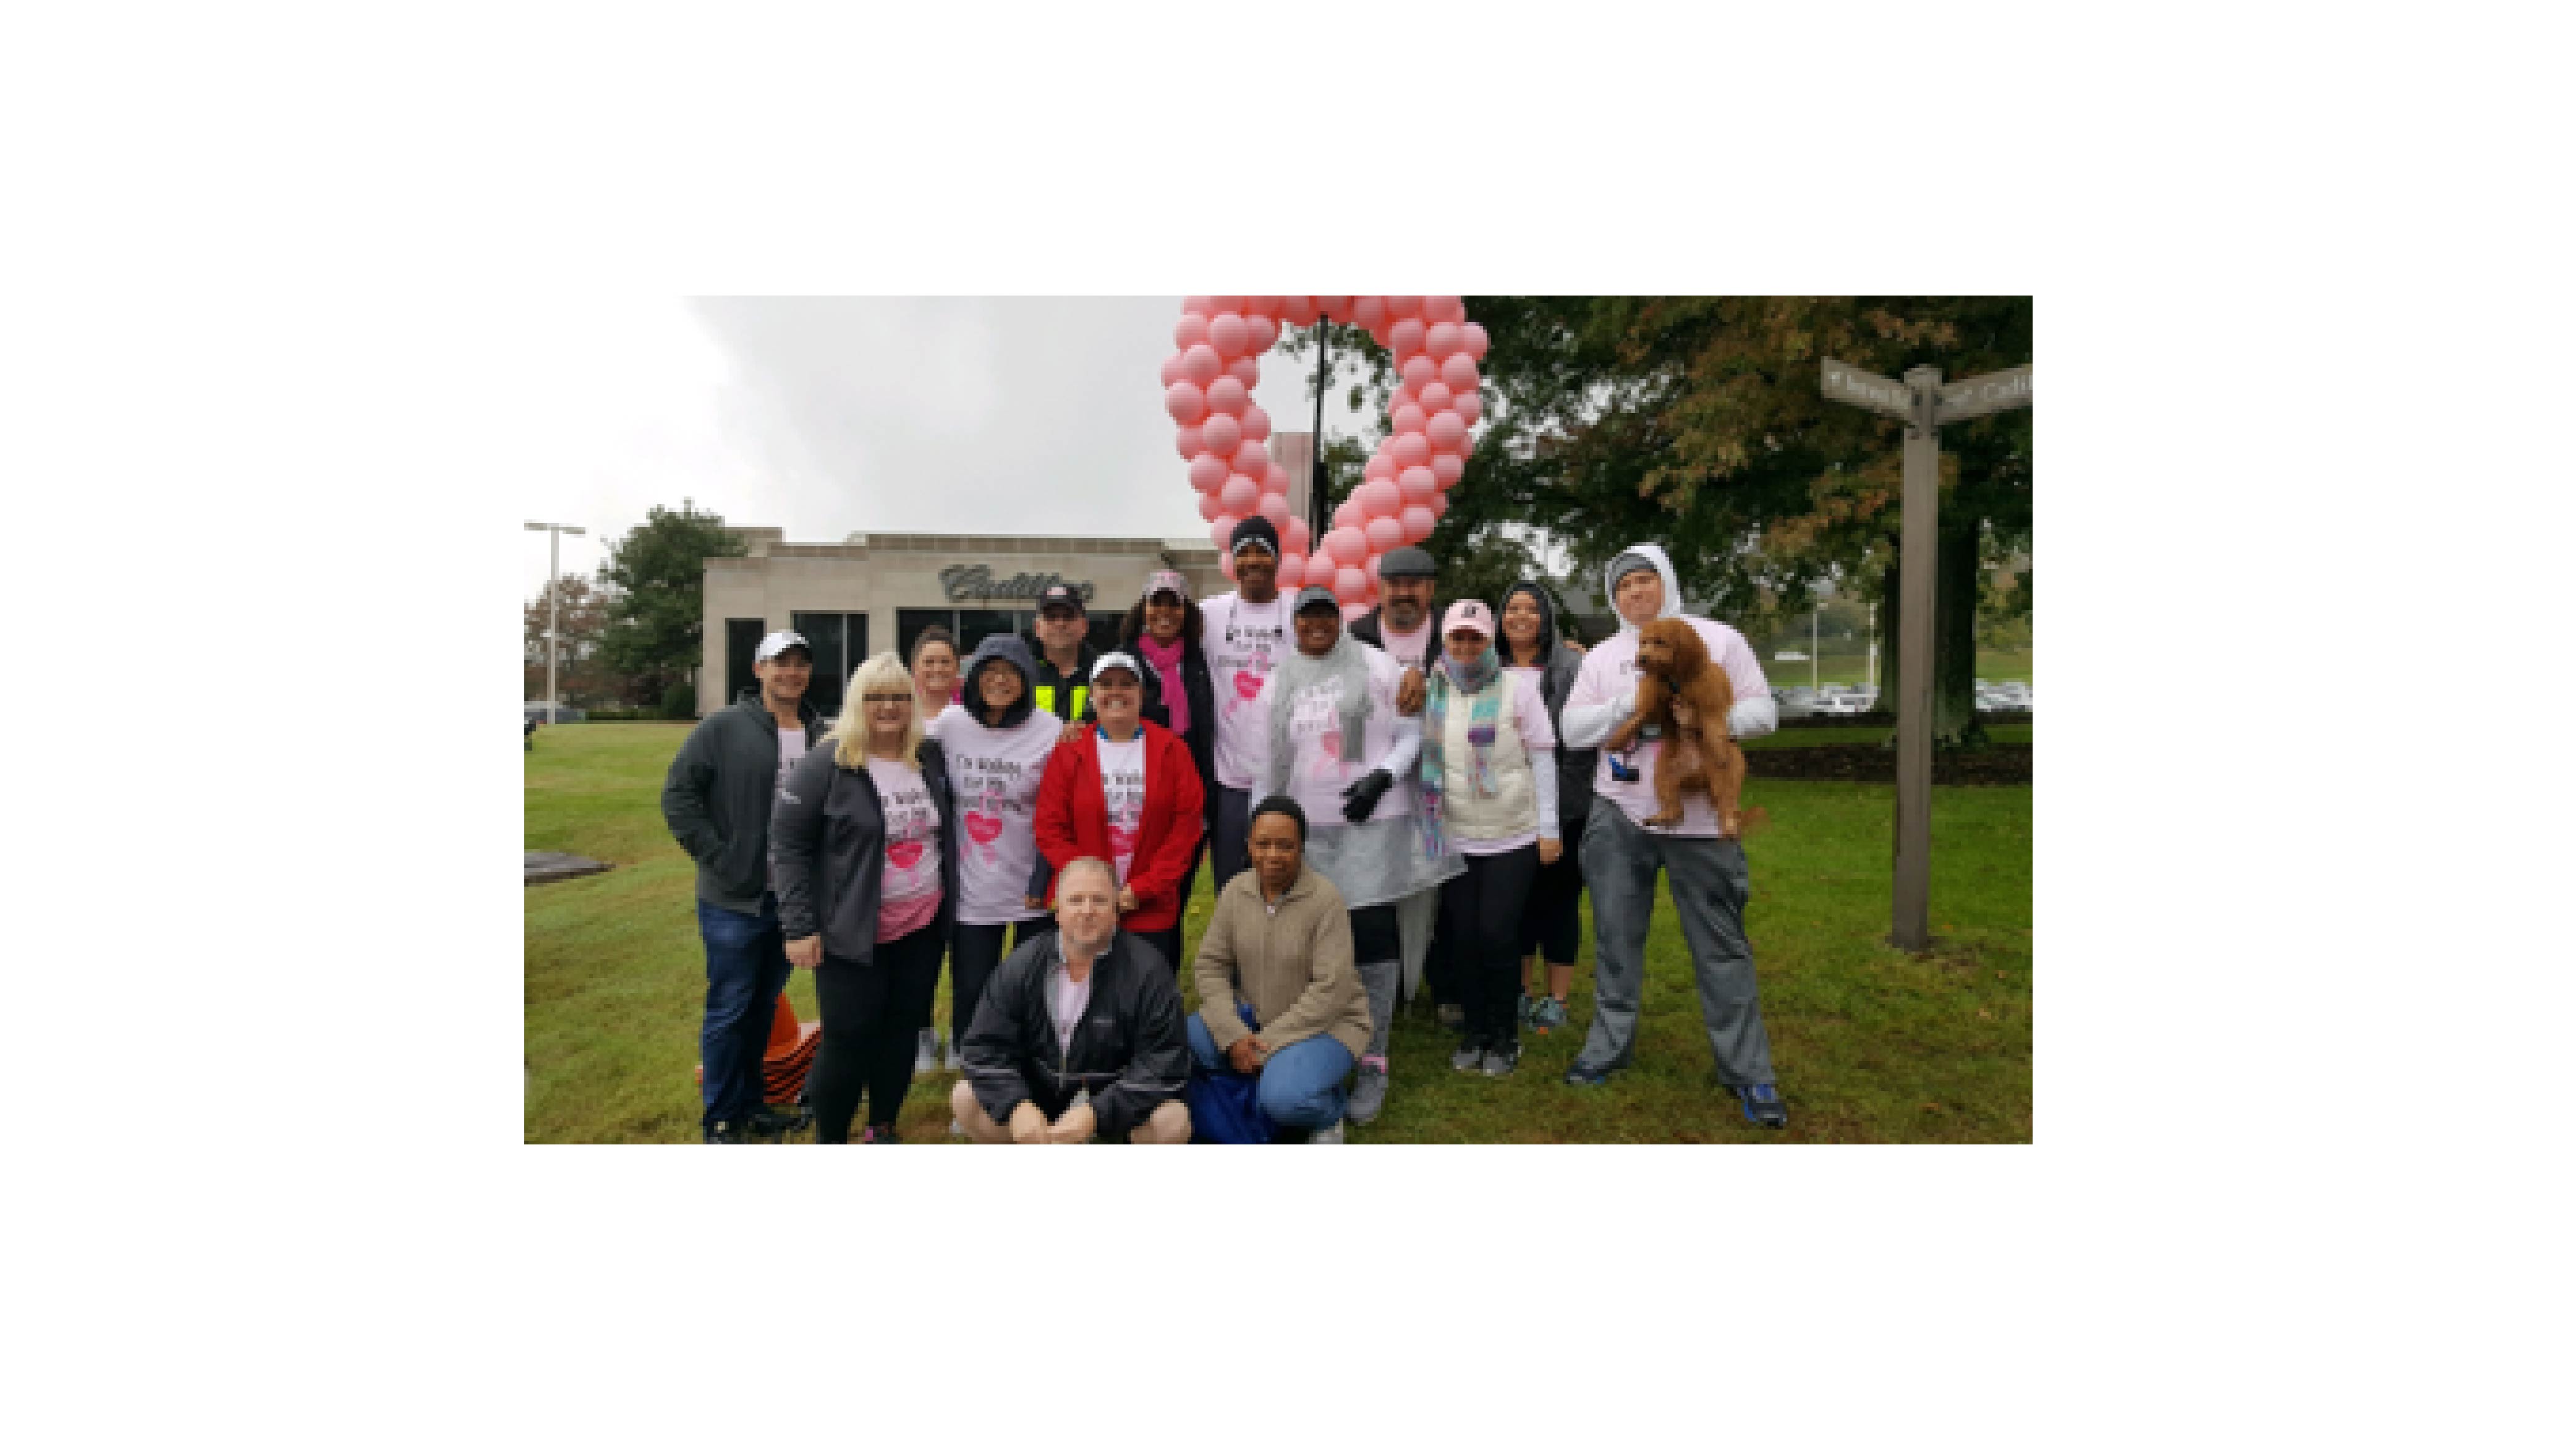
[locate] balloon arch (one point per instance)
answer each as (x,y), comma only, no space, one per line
(1208,391)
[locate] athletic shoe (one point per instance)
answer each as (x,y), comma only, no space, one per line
(1469,1056)
(1527,1007)
(725,1133)
(956,1054)
(1546,1014)
(1368,1092)
(1501,1060)
(925,1060)
(1329,1136)
(879,1136)
(956,1128)
(1582,1075)
(1452,1017)
(1762,1105)
(779,1124)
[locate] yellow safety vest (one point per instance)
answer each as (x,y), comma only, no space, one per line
(1046,699)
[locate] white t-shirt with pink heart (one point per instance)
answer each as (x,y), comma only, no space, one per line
(994,774)
(908,896)
(1122,784)
(1242,641)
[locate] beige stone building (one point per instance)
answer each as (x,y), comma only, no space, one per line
(876,591)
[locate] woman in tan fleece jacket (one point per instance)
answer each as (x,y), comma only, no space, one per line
(1280,944)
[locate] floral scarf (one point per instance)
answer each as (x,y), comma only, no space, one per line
(1485,701)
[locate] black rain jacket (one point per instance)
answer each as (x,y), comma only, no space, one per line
(1131,1049)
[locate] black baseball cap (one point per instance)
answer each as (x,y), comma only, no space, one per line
(1062,595)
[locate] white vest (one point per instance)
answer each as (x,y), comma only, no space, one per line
(1513,807)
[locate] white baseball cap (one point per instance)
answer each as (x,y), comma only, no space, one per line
(779,643)
(1115,660)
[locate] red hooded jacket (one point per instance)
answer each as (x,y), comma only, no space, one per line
(1073,820)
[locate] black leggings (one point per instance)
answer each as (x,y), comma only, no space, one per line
(1553,924)
(972,956)
(1480,918)
(872,1013)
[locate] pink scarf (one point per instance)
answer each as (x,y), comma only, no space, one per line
(1166,662)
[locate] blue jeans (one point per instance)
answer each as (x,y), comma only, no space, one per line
(1301,1085)
(746,969)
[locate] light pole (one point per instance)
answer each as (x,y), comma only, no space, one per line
(1873,648)
(554,552)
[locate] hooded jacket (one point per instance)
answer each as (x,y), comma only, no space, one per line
(1755,713)
(1557,666)
(1073,820)
(827,841)
(1131,1049)
(716,798)
(1011,649)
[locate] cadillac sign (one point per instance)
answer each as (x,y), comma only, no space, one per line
(965,581)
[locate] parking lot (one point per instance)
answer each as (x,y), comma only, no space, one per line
(1844,700)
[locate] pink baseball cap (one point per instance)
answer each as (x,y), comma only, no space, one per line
(1468,613)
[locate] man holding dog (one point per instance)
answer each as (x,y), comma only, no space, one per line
(1622,855)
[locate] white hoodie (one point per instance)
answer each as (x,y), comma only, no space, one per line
(1605,692)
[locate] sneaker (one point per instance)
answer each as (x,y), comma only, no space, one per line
(1368,1092)
(1527,1008)
(1502,1060)
(1762,1105)
(925,1060)
(1469,1056)
(1547,1014)
(956,1128)
(725,1133)
(956,1056)
(1582,1075)
(769,1122)
(879,1136)
(1329,1136)
(1452,1017)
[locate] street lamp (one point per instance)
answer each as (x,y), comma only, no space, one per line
(554,552)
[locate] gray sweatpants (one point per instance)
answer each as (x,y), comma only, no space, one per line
(1709,886)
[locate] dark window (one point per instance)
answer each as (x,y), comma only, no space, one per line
(831,660)
(1104,631)
(974,625)
(742,640)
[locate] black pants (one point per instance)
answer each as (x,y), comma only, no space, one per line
(1167,943)
(1553,925)
(1233,832)
(872,1015)
(1480,918)
(972,954)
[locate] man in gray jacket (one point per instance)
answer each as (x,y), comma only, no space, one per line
(716,799)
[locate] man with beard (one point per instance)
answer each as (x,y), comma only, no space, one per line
(1401,626)
(1243,636)
(1080,1035)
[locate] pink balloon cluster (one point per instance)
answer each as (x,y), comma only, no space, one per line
(1207,388)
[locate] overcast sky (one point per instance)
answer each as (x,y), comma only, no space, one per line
(829,416)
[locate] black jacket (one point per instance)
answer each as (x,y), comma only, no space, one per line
(1557,667)
(1131,1048)
(1201,689)
(827,836)
(1067,699)
(716,798)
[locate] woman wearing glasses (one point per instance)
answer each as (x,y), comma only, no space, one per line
(863,840)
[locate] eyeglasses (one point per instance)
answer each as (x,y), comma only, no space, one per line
(887,698)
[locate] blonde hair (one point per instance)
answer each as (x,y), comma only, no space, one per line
(885,674)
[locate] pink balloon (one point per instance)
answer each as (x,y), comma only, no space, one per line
(1221,532)
(1209,506)
(1256,423)
(1189,331)
(1369,312)
(1191,443)
(1172,370)
(1380,466)
(1223,434)
(1460,373)
(1292,572)
(1207,472)
(1474,338)
(1297,537)
(1339,308)
(1350,585)
(1225,564)
(1380,499)
(1347,514)
(1443,340)
(1252,460)
(1469,406)
(1444,309)
(1409,419)
(1245,369)
(1204,306)
(1381,336)
(1200,365)
(1226,333)
(1264,332)
(1184,402)
(1276,479)
(1412,450)
(1273,506)
(1446,431)
(1385,533)
(1421,372)
(1417,521)
(1225,304)
(1440,506)
(1406,336)
(1297,312)
(1239,494)
(1436,398)
(1228,396)
(1417,485)
(1402,308)
(1371,569)
(1447,469)
(1347,545)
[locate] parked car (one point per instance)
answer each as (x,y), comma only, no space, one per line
(564,713)
(1843,704)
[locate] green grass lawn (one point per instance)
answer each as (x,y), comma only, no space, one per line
(1871,1044)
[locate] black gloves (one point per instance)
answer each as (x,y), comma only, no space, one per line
(1360,800)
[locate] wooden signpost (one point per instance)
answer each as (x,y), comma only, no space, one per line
(1923,403)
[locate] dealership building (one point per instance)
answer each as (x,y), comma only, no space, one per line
(876,591)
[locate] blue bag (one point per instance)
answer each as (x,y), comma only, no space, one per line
(1225,1105)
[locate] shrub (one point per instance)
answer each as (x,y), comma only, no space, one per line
(680,701)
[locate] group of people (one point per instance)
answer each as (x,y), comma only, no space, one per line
(1420,797)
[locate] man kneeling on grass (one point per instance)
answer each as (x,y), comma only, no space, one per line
(1079,1033)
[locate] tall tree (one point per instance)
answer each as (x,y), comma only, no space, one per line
(657,578)
(581,674)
